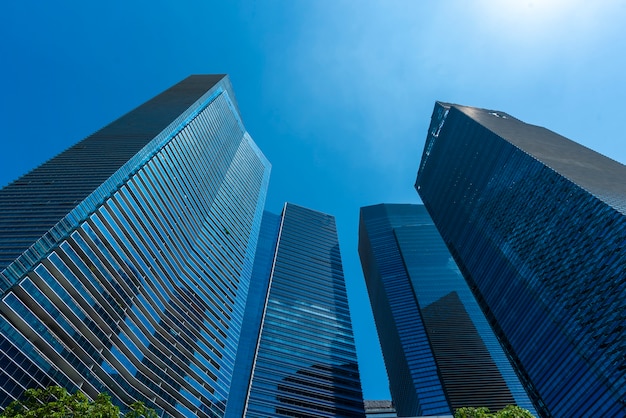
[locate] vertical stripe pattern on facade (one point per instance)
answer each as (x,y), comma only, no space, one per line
(413,378)
(144,298)
(402,253)
(44,205)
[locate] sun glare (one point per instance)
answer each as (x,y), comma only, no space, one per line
(529,19)
(530,9)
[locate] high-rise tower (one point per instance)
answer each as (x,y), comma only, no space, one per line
(126,260)
(537,226)
(439,350)
(305,361)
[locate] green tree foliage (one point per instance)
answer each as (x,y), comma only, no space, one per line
(139,410)
(511,411)
(471,412)
(57,402)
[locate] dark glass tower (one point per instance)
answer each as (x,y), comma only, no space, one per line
(536,224)
(439,350)
(305,362)
(126,260)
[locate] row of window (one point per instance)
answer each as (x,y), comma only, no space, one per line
(144,299)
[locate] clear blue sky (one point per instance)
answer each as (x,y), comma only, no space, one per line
(338,94)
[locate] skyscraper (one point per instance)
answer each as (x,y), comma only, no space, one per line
(305,361)
(536,224)
(438,348)
(126,260)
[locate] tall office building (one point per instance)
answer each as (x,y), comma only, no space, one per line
(304,363)
(536,224)
(439,350)
(126,260)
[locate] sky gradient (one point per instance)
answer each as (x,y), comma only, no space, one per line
(337,94)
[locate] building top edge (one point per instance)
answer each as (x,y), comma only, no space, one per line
(198,91)
(600,175)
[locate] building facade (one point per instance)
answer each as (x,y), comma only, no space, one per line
(536,224)
(439,350)
(140,263)
(126,260)
(305,361)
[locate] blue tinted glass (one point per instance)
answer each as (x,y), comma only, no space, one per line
(536,224)
(147,276)
(306,360)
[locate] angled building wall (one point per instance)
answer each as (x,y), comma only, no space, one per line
(536,224)
(126,260)
(439,350)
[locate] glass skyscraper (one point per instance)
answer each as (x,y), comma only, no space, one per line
(126,260)
(439,350)
(305,361)
(140,263)
(536,224)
